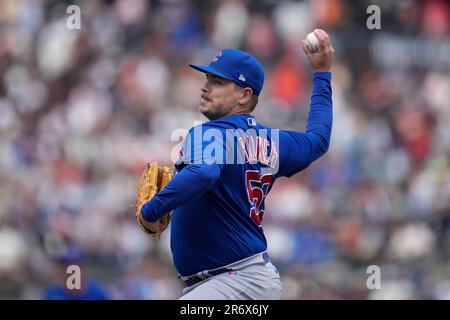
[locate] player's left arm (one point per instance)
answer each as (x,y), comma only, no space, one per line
(197,173)
(187,185)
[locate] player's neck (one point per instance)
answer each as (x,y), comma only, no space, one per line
(239,110)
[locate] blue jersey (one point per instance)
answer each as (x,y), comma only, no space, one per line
(226,169)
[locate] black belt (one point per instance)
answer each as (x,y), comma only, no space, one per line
(202,276)
(197,278)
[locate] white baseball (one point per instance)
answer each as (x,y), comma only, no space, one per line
(312,43)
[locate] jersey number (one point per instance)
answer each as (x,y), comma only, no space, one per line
(257,189)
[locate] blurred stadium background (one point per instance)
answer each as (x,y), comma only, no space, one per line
(82,111)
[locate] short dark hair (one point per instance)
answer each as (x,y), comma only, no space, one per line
(253,102)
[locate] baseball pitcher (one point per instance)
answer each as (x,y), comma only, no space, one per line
(226,169)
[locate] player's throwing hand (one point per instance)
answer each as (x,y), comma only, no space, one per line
(321,59)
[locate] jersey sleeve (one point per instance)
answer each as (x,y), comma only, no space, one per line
(187,185)
(201,161)
(204,144)
(299,149)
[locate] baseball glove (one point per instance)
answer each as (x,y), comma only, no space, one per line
(152,181)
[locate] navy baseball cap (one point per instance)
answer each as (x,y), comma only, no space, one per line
(238,66)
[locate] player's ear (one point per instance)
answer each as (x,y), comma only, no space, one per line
(246,96)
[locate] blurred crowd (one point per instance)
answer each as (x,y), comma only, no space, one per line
(82,111)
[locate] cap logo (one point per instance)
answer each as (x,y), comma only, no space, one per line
(241,77)
(216,57)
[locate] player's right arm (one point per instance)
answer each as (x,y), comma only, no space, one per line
(305,147)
